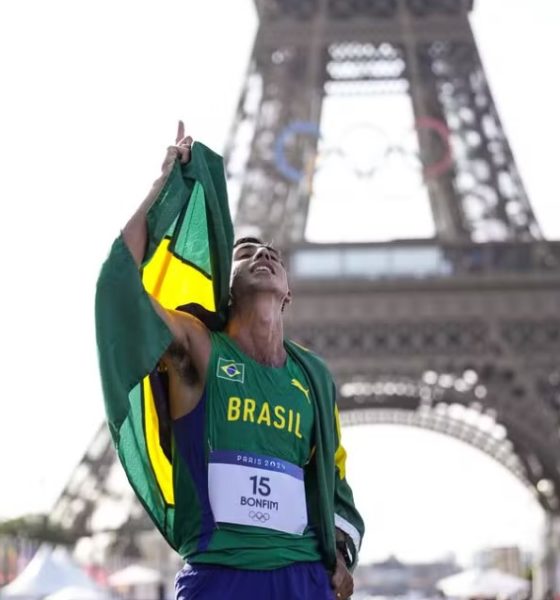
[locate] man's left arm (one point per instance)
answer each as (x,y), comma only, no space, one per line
(348,522)
(347,519)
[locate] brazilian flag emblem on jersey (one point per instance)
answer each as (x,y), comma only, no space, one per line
(186,267)
(230,371)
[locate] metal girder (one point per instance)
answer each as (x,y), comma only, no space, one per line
(280,89)
(306,10)
(90,487)
(358,31)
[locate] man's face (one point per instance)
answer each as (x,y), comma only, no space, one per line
(258,268)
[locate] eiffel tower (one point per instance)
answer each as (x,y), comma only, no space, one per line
(457,333)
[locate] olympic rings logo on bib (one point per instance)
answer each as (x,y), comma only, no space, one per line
(259,516)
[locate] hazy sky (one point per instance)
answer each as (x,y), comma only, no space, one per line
(91,92)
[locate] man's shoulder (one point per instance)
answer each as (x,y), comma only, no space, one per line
(318,375)
(307,355)
(207,318)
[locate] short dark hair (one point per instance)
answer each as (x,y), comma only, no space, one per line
(258,241)
(248,240)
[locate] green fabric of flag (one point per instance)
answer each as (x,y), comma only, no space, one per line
(187,263)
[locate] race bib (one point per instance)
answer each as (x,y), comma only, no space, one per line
(249,489)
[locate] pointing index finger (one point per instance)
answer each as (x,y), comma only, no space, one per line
(180,132)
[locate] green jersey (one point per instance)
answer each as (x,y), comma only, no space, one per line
(250,412)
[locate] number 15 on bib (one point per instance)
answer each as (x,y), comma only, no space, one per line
(255,490)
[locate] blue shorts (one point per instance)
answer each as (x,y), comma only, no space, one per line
(300,581)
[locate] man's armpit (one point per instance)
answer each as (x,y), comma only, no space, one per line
(177,360)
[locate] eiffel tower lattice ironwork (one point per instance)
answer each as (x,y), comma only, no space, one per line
(459,333)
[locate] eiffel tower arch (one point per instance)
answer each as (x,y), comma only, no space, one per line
(458,332)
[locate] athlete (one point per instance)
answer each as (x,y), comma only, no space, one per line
(254,400)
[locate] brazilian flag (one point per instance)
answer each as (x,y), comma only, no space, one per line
(186,266)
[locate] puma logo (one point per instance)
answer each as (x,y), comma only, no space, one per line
(300,387)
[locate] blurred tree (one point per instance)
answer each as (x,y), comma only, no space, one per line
(38,528)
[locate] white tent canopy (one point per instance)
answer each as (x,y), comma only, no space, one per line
(50,570)
(77,593)
(134,575)
(484,583)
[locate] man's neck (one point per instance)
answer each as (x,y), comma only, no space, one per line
(257,329)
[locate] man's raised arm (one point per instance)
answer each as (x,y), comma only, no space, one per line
(129,333)
(135,232)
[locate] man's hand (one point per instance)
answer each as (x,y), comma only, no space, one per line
(342,580)
(181,150)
